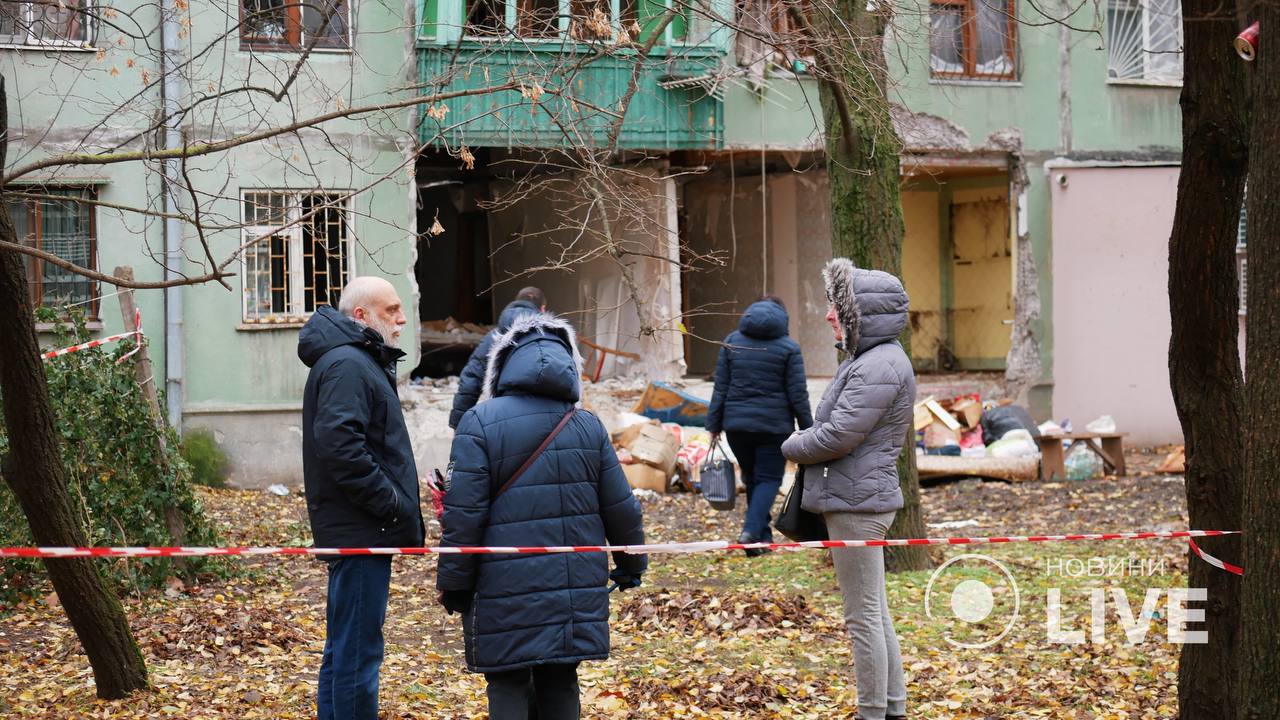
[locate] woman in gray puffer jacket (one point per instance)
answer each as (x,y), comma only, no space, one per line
(851,454)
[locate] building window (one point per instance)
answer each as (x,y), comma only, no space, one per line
(973,39)
(46,23)
(297,256)
(66,229)
(581,20)
(1144,41)
(295,24)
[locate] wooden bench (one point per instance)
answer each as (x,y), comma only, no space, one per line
(1053,456)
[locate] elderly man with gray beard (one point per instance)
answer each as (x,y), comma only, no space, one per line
(361,482)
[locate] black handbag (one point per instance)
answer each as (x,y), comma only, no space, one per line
(718,481)
(794,521)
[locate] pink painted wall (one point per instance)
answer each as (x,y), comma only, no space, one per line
(1110,298)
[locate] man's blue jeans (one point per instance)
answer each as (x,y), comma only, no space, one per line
(357,607)
(760,459)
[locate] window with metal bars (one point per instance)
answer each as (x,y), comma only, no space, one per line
(1144,41)
(47,23)
(60,224)
(973,39)
(582,20)
(297,255)
(294,24)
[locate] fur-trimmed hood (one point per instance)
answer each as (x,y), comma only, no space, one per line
(537,355)
(870,304)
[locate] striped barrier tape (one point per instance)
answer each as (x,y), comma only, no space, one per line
(137,319)
(1220,564)
(110,552)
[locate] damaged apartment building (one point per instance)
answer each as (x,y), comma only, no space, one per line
(1038,172)
(1038,175)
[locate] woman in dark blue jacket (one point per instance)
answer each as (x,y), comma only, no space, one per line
(760,395)
(530,619)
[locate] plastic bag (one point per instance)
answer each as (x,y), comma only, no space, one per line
(1014,444)
(1104,424)
(1083,464)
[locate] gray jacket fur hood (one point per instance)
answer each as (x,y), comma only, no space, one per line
(862,419)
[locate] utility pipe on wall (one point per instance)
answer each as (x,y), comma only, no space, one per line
(171,90)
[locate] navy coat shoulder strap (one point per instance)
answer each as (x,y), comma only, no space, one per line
(536,453)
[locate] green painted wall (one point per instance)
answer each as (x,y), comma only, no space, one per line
(1104,116)
(785,114)
(48,93)
(227,365)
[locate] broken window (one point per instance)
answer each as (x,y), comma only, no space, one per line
(46,23)
(973,39)
(485,17)
(294,24)
(1144,41)
(65,228)
(297,254)
(537,18)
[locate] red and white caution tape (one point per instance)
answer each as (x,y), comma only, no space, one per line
(57,552)
(137,319)
(1220,564)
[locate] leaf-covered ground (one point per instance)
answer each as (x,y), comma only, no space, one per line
(711,634)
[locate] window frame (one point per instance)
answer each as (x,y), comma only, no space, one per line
(969,53)
(295,38)
(1144,10)
(89,22)
(565,18)
(33,267)
(296,282)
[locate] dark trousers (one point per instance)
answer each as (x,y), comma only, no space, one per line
(762,464)
(357,607)
(545,692)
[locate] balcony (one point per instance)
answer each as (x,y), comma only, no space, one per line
(578,93)
(573,87)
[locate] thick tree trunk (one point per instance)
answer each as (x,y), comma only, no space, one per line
(866,208)
(33,469)
(1258,691)
(1204,363)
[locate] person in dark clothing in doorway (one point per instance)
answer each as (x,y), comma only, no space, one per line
(361,482)
(760,396)
(529,619)
(528,301)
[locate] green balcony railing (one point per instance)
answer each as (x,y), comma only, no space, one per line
(572,96)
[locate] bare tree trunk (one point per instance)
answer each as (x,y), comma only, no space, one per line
(173,519)
(1204,363)
(1258,691)
(866,207)
(33,469)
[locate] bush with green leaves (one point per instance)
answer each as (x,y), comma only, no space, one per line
(119,484)
(208,461)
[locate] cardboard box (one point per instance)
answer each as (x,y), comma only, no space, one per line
(645,477)
(655,446)
(968,411)
(939,435)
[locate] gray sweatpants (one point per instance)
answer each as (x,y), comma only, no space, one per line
(877,659)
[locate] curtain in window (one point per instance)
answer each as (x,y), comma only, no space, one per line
(66,231)
(1164,40)
(946,39)
(993,30)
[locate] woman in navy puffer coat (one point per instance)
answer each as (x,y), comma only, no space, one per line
(530,619)
(760,395)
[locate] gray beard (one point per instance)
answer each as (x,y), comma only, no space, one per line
(387,332)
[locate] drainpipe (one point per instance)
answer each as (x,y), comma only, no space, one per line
(171,93)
